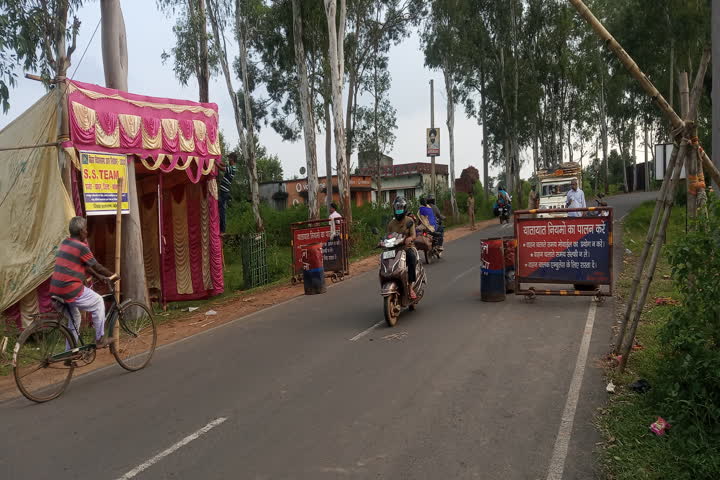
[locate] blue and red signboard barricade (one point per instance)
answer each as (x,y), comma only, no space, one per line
(334,240)
(568,250)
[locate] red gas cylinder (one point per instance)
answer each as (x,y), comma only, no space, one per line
(492,270)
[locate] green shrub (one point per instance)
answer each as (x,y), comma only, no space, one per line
(689,379)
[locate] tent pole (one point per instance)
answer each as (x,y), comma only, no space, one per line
(118,242)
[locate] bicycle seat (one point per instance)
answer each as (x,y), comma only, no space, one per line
(58,300)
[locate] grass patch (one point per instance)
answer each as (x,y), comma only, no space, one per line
(691,449)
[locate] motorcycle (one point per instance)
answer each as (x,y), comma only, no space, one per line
(427,241)
(394,278)
(504,214)
(600,203)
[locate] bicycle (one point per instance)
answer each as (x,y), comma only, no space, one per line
(42,349)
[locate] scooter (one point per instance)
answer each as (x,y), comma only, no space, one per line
(394,284)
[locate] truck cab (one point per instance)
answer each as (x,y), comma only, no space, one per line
(554,185)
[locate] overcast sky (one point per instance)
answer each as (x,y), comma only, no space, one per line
(149,33)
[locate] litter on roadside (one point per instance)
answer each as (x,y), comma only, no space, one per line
(610,387)
(211,312)
(191,309)
(666,301)
(640,386)
(660,426)
(628,251)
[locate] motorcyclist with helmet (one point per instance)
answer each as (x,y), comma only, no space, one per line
(404,225)
(503,199)
(440,219)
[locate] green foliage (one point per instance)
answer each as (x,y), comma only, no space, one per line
(679,359)
(29,34)
(691,371)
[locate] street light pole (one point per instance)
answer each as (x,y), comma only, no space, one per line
(432,125)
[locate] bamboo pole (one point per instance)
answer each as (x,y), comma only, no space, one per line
(659,206)
(657,248)
(677,123)
(690,166)
(118,243)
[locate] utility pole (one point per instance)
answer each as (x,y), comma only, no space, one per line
(432,125)
(715,27)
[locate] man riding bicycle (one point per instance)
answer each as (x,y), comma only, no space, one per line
(72,263)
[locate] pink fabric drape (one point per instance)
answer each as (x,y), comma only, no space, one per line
(195,236)
(215,245)
(78,134)
(171,145)
(12,313)
(168,260)
(151,125)
(187,129)
(108,121)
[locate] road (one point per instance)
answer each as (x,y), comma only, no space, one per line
(459,389)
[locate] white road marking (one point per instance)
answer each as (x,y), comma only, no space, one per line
(365,332)
(470,270)
(562,442)
(132,473)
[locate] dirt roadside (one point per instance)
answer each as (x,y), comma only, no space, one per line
(179,325)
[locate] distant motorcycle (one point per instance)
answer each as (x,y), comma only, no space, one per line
(394,283)
(600,203)
(504,214)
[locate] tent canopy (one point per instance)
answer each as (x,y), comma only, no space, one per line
(165,134)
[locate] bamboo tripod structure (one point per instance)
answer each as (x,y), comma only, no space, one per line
(685,135)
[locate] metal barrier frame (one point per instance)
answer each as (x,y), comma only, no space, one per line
(341,228)
(521,216)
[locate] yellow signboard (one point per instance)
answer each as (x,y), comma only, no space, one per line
(100,174)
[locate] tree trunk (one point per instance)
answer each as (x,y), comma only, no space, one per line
(450,88)
(634,158)
(241,32)
(115,65)
(483,116)
(647,160)
(337,66)
(204,70)
(604,133)
(328,146)
(715,28)
(307,115)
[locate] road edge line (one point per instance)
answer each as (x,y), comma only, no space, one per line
(193,436)
(562,442)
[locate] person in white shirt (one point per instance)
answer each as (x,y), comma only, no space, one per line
(575,199)
(333,211)
(334,214)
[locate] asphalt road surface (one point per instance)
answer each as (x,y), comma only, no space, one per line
(308,389)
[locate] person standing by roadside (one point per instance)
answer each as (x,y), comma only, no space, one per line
(471,210)
(334,214)
(224,189)
(575,199)
(534,198)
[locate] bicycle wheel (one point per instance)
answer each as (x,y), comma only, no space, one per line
(138,337)
(39,361)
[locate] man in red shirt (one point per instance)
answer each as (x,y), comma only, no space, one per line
(73,262)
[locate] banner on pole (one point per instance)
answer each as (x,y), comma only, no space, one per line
(100,174)
(432,138)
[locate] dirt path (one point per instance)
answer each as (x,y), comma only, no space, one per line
(184,324)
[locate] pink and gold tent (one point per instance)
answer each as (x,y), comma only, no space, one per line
(174,145)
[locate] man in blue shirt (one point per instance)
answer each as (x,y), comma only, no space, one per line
(224,188)
(427,212)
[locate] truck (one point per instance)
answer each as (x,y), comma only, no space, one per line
(555,183)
